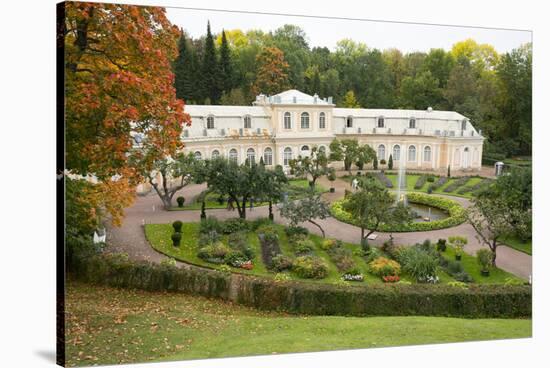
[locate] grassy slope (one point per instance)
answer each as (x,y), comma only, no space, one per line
(110,326)
(159,237)
(517,244)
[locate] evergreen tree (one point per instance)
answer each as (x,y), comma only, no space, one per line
(226,67)
(185,70)
(210,70)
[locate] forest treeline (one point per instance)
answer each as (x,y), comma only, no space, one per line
(492,89)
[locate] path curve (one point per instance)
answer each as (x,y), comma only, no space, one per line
(130,237)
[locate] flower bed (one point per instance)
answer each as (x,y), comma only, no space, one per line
(455,210)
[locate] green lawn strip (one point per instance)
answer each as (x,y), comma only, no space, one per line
(471,266)
(518,244)
(115,326)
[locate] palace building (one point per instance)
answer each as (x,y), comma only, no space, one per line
(281,127)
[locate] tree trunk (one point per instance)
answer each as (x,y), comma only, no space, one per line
(319,226)
(494,250)
(271,210)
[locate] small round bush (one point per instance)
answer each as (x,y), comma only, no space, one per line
(181,201)
(281,263)
(176,239)
(304,246)
(441,245)
(177,225)
(309,267)
(431,179)
(484,258)
(383,266)
(328,244)
(235,225)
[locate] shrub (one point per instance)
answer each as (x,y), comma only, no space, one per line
(208,238)
(177,225)
(383,266)
(269,242)
(296,230)
(168,262)
(372,254)
(419,263)
(237,240)
(484,258)
(235,258)
(327,244)
(458,243)
(221,200)
(176,239)
(214,253)
(420,182)
(441,245)
(342,258)
(382,178)
(256,223)
(181,201)
(210,224)
(454,267)
(310,267)
(281,263)
(430,178)
(234,225)
(456,184)
(281,277)
(304,246)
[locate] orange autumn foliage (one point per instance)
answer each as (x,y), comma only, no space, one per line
(119,82)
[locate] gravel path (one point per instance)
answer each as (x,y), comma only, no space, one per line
(130,236)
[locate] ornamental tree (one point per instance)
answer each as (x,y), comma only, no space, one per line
(271,185)
(118,82)
(346,150)
(272,74)
(309,209)
(313,166)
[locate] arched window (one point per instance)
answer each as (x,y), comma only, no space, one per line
(412,153)
(464,123)
(304,120)
(287,121)
(349,122)
(233,155)
(268,156)
(198,155)
(215,154)
(381,152)
(412,123)
(247,122)
(251,156)
(210,122)
(322,121)
(396,152)
(287,156)
(381,122)
(304,148)
(427,153)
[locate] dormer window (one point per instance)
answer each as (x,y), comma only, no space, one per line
(412,123)
(349,122)
(380,122)
(287,121)
(247,122)
(210,122)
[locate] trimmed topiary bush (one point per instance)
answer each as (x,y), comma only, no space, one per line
(176,239)
(177,226)
(181,201)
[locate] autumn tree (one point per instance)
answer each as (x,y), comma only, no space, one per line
(118,84)
(272,74)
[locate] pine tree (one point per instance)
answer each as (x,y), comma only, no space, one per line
(185,71)
(390,162)
(210,70)
(226,68)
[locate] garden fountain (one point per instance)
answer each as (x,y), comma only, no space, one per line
(401,185)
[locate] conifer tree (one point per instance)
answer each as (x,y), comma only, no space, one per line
(185,70)
(210,70)
(226,68)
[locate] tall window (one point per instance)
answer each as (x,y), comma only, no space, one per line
(427,153)
(381,122)
(396,152)
(268,156)
(234,155)
(287,121)
(304,120)
(210,122)
(198,155)
(251,156)
(349,122)
(412,123)
(464,122)
(287,156)
(412,153)
(322,121)
(381,152)
(215,154)
(247,122)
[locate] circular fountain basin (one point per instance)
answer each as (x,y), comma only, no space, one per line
(427,213)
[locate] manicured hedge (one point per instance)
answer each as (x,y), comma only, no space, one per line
(455,210)
(478,301)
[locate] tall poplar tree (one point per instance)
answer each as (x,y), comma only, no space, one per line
(226,68)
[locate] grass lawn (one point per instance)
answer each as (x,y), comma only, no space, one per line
(296,190)
(159,238)
(517,244)
(117,326)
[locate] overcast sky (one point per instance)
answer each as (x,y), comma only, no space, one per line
(326,32)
